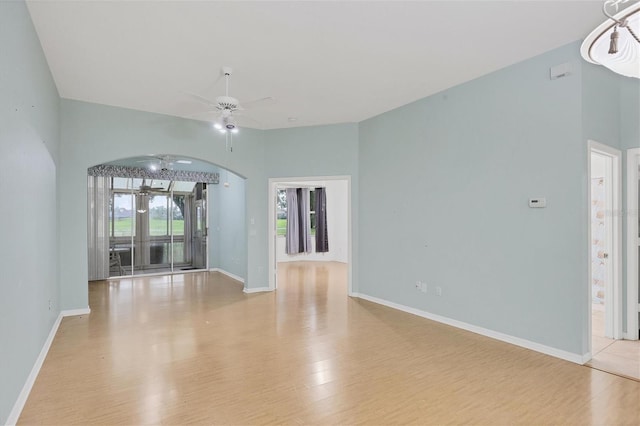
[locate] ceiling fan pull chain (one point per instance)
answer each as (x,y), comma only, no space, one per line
(613,44)
(632,33)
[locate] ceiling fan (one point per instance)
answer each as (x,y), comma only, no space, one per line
(146,189)
(227,108)
(162,162)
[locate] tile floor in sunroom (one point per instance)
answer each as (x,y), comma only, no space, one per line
(614,356)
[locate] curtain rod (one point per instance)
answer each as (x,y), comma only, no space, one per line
(292,185)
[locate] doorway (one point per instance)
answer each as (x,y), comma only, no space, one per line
(605,252)
(337,190)
(149,215)
(633,245)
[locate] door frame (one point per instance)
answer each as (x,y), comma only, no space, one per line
(633,243)
(615,156)
(272,237)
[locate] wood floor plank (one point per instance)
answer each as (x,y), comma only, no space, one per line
(195,349)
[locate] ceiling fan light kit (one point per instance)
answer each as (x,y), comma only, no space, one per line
(615,43)
(226,106)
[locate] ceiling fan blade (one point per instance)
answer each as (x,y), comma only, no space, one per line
(204,100)
(269,100)
(210,87)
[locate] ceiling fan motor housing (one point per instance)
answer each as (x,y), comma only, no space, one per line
(227,102)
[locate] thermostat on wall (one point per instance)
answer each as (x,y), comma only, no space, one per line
(537,203)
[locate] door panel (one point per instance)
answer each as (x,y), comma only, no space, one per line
(199,231)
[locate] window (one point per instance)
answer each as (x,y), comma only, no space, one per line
(121,215)
(281,212)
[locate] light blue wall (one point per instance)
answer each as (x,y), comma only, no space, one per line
(318,151)
(601,105)
(227,229)
(444,184)
(629,112)
(94,134)
(629,120)
(29,139)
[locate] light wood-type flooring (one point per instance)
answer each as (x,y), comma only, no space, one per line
(614,356)
(194,348)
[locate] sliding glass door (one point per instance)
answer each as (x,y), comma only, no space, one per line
(156,226)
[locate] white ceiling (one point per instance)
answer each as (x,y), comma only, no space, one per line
(322,62)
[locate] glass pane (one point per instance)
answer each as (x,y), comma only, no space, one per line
(123,220)
(121,183)
(281,212)
(159,253)
(158,183)
(137,183)
(183,186)
(178,214)
(158,215)
(178,252)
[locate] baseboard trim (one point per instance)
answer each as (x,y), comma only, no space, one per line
(75,312)
(229,274)
(256,290)
(527,344)
(14,415)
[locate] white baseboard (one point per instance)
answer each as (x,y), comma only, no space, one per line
(74,312)
(548,350)
(229,274)
(14,415)
(256,290)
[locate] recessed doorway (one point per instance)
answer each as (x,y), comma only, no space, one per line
(605,261)
(148,215)
(324,218)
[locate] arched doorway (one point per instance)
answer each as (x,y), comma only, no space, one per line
(150,215)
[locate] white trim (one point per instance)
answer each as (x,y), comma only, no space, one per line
(228,274)
(14,415)
(257,290)
(615,156)
(517,341)
(74,312)
(272,233)
(633,162)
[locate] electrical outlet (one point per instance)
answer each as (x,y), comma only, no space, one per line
(424,287)
(438,291)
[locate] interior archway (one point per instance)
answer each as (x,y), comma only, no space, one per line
(165,214)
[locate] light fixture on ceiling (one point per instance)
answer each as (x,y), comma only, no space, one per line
(615,43)
(228,109)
